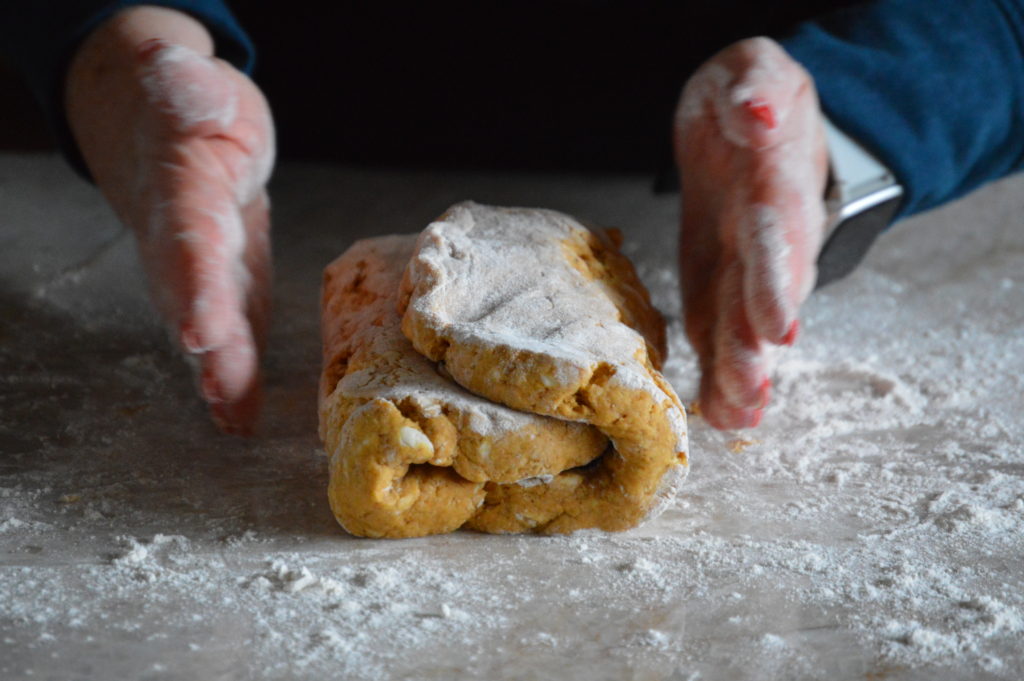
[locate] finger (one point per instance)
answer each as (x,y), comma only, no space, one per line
(768,245)
(194,244)
(698,253)
(203,268)
(743,99)
(230,373)
(215,288)
(771,108)
(779,236)
(257,263)
(230,377)
(239,418)
(719,413)
(231,382)
(739,369)
(700,245)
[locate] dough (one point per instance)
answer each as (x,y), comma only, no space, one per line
(409,450)
(530,309)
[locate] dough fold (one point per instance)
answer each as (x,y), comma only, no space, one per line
(498,373)
(409,450)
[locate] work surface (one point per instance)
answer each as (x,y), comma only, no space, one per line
(871,528)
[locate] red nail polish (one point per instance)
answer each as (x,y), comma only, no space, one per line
(764,394)
(756,419)
(190,339)
(148,47)
(222,419)
(791,335)
(761,110)
(211,390)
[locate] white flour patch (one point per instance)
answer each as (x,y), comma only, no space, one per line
(872,527)
(178,79)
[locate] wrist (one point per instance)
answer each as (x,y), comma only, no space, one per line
(861,198)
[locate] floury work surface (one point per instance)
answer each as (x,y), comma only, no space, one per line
(871,528)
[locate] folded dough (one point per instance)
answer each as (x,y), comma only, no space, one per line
(530,309)
(532,340)
(409,449)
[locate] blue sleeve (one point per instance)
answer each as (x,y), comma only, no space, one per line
(935,88)
(40,37)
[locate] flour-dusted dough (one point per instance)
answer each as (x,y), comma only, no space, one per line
(410,451)
(530,309)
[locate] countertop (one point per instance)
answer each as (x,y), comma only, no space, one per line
(871,528)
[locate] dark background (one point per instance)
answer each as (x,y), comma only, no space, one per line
(571,84)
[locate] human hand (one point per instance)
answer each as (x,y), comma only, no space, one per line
(181,144)
(749,141)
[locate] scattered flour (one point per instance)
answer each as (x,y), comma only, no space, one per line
(872,527)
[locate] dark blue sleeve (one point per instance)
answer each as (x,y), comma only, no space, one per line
(40,37)
(935,88)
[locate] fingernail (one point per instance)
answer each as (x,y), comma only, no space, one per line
(227,424)
(761,110)
(791,335)
(148,47)
(211,390)
(220,417)
(190,339)
(764,394)
(232,429)
(755,420)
